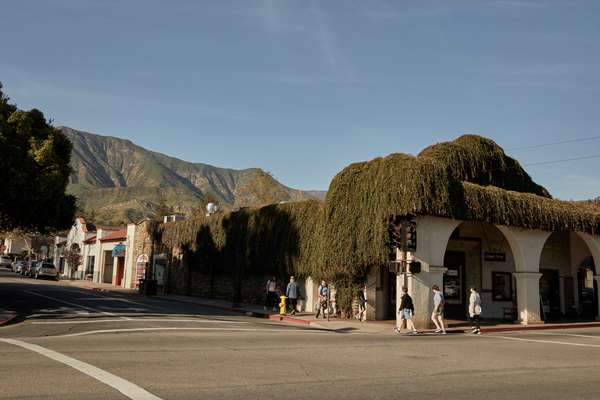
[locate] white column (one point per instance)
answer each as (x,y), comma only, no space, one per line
(115,270)
(528,297)
(419,288)
(399,284)
(597,279)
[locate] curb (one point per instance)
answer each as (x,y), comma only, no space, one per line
(243,311)
(292,320)
(238,310)
(7,317)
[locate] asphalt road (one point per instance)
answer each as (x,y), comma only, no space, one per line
(77,344)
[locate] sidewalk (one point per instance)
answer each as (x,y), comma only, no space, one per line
(334,324)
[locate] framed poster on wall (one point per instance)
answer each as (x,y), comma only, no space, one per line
(501,286)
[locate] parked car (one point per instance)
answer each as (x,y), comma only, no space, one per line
(5,261)
(17,265)
(27,270)
(45,270)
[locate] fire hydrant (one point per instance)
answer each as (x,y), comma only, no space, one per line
(282,305)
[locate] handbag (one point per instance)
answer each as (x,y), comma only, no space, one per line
(477,309)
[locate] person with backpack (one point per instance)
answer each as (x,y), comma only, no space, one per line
(407,311)
(437,315)
(475,310)
(323,293)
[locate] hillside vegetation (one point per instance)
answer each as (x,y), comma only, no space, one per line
(117,181)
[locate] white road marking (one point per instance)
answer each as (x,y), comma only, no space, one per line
(96,332)
(566,334)
(103,298)
(73,304)
(547,341)
(129,389)
(137,320)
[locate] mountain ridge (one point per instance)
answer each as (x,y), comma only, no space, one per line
(117,180)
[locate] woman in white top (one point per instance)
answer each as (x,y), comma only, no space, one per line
(437,315)
(475,310)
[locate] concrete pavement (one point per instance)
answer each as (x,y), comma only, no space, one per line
(109,346)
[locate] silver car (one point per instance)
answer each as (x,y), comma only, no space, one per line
(5,261)
(18,265)
(45,270)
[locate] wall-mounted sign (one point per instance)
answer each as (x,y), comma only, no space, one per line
(119,250)
(501,286)
(500,257)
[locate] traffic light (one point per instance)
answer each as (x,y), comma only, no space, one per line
(410,232)
(414,267)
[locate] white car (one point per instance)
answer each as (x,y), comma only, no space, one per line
(45,270)
(19,265)
(5,261)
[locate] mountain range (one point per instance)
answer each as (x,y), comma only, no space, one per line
(118,181)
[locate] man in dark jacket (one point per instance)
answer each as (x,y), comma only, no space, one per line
(407,311)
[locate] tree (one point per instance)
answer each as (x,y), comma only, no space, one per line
(34,172)
(73,258)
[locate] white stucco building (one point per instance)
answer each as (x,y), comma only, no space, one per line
(524,275)
(111,255)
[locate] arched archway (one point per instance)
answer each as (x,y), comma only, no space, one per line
(480,255)
(568,288)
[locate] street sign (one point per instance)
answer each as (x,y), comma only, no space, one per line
(119,250)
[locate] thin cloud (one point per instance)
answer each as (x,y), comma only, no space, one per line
(284,17)
(325,37)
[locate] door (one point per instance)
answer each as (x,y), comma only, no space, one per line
(120,271)
(107,273)
(550,293)
(454,285)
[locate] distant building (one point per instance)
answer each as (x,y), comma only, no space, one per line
(116,255)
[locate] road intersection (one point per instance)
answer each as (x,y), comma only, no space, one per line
(73,343)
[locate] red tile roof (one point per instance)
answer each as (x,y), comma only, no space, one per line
(121,234)
(90,240)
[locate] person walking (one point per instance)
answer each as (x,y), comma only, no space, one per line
(323,293)
(475,310)
(437,316)
(271,289)
(292,292)
(333,301)
(362,304)
(407,311)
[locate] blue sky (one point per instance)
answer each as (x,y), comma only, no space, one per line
(303,88)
